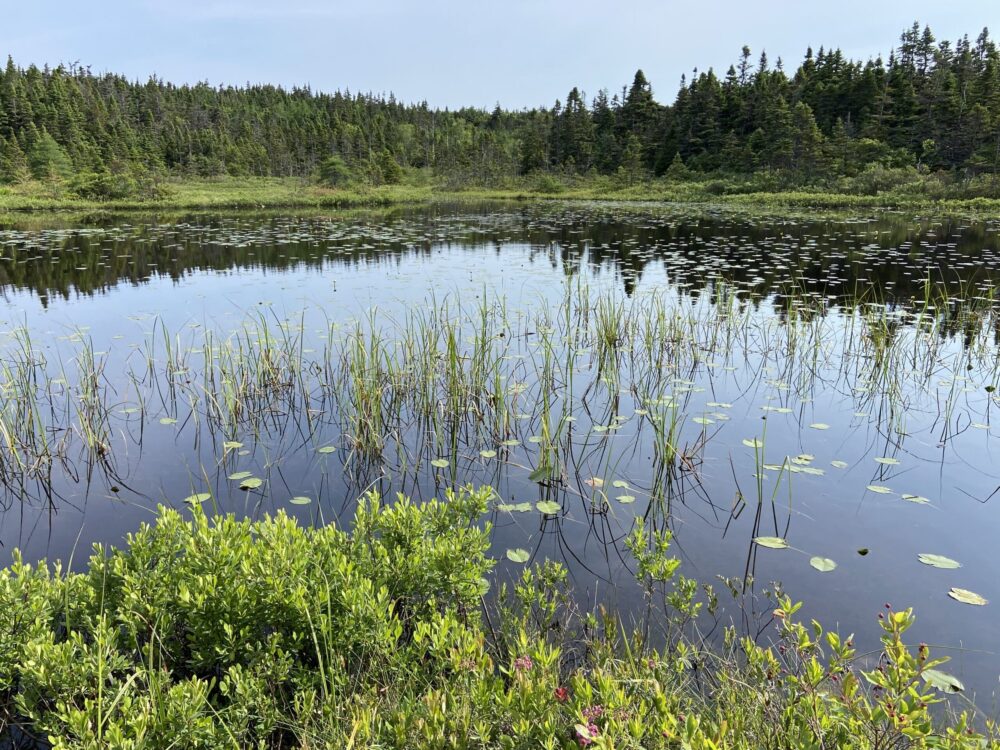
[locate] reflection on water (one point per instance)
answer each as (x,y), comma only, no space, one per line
(827,383)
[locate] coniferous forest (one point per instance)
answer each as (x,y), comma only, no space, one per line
(929,111)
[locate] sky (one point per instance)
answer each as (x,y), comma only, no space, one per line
(452,53)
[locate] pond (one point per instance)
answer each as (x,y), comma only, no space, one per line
(798,400)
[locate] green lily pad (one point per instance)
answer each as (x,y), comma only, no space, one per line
(514,507)
(919,499)
(938,561)
(236,476)
(488,454)
(251,483)
(884,460)
(967,597)
(820,426)
(168,420)
(198,498)
(942,681)
(300,500)
(774,542)
(839,464)
(822,564)
(753,443)
(326,449)
(879,489)
(549,507)
(518,555)
(440,463)
(625,499)
(231,445)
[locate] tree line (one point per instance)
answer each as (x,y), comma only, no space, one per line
(932,106)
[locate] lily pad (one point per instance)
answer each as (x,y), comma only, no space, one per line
(938,561)
(919,499)
(231,445)
(300,500)
(822,564)
(326,449)
(753,443)
(549,507)
(440,463)
(820,426)
(839,464)
(625,499)
(168,420)
(488,454)
(774,542)
(942,681)
(198,498)
(238,475)
(518,555)
(967,597)
(879,489)
(886,461)
(251,483)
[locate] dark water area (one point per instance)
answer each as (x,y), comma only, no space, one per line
(727,377)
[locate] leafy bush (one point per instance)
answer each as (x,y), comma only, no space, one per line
(230,633)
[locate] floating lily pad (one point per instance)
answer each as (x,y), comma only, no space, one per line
(549,507)
(594,482)
(300,500)
(620,484)
(822,564)
(168,420)
(938,561)
(231,445)
(820,426)
(251,483)
(198,498)
(774,542)
(326,449)
(514,507)
(939,680)
(753,443)
(488,454)
(518,555)
(839,464)
(703,420)
(887,461)
(967,597)
(440,463)
(919,499)
(625,499)
(879,489)
(236,476)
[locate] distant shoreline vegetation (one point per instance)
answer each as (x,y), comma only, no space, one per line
(921,127)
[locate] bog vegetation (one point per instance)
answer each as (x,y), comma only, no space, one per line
(228,633)
(925,121)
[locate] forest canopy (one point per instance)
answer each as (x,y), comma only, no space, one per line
(931,107)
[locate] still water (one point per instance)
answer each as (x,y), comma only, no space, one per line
(825,384)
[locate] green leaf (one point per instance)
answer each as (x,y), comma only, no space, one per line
(236,476)
(938,561)
(753,443)
(514,507)
(326,449)
(168,420)
(440,463)
(300,500)
(620,484)
(231,445)
(839,464)
(198,498)
(549,507)
(251,483)
(915,499)
(488,454)
(822,564)
(820,426)
(626,499)
(518,555)
(887,461)
(540,474)
(967,597)
(774,542)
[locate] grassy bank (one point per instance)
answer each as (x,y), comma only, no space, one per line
(226,633)
(275,193)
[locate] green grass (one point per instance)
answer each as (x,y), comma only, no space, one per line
(279,193)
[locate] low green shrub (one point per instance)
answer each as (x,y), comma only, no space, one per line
(214,633)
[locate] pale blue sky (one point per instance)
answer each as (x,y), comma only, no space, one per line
(453,52)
